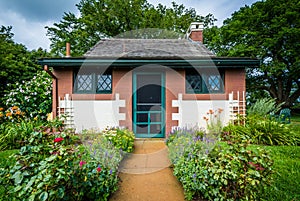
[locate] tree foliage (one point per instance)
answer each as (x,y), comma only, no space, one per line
(268,30)
(110,18)
(16,62)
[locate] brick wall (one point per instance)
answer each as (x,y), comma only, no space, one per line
(235,80)
(175,84)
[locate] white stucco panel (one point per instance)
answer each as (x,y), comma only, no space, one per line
(97,113)
(191,112)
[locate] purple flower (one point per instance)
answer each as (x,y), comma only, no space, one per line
(206,151)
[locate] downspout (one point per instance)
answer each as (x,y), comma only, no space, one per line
(55,92)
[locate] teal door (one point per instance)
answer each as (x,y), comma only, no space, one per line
(148,105)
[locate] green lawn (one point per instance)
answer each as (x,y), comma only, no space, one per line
(295,118)
(286,184)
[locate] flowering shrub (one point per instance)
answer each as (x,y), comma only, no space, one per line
(177,132)
(121,138)
(56,165)
(32,97)
(188,142)
(12,114)
(214,170)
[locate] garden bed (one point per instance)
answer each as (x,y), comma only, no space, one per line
(56,164)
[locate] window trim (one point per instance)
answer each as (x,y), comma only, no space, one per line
(94,83)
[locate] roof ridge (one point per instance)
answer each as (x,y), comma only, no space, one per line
(116,47)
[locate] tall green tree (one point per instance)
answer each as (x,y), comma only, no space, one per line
(268,30)
(16,62)
(109,18)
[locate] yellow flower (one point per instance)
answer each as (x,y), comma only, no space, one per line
(49,116)
(35,118)
(8,114)
(85,178)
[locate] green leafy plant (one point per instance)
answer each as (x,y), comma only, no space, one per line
(14,135)
(262,128)
(56,164)
(264,107)
(267,131)
(215,170)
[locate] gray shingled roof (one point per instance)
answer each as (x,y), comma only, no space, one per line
(148,48)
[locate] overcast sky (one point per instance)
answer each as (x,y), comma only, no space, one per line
(29,17)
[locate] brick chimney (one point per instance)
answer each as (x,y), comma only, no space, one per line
(195,31)
(68,49)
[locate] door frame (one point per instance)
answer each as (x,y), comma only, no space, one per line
(134,104)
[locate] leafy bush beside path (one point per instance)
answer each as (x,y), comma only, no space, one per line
(56,164)
(216,170)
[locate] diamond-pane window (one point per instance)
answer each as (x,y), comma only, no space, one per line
(92,82)
(214,83)
(104,83)
(194,83)
(84,82)
(204,83)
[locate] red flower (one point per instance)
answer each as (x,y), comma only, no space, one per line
(58,139)
(81,163)
(99,169)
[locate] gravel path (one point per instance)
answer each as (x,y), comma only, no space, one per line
(146,175)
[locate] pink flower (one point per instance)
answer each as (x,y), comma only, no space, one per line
(58,139)
(81,163)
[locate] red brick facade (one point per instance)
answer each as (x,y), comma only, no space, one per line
(122,84)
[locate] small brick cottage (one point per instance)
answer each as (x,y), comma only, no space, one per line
(147,85)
